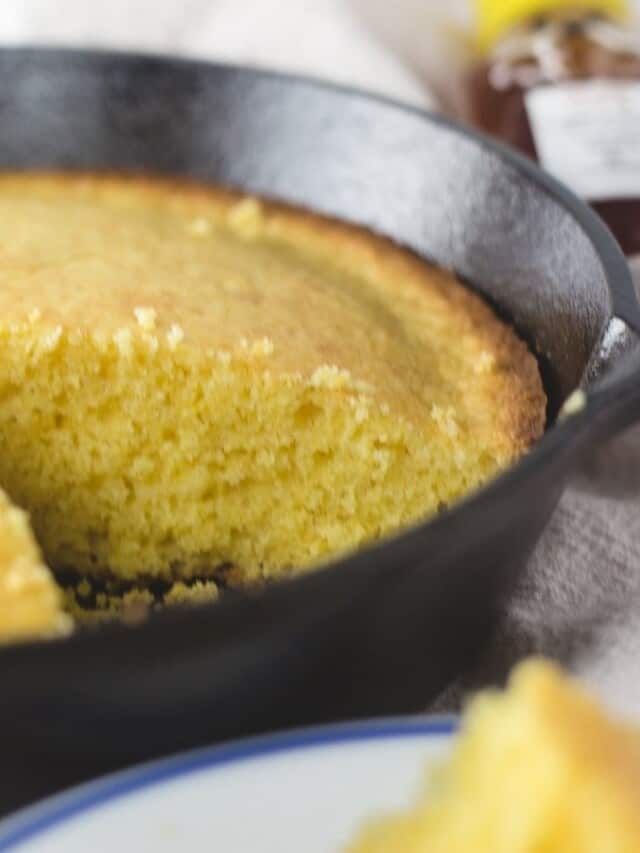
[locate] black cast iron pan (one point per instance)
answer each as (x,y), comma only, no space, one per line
(383,631)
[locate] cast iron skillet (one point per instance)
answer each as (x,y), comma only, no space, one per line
(383,631)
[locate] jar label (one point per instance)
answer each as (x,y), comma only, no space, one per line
(587,134)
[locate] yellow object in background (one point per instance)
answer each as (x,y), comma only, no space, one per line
(496,17)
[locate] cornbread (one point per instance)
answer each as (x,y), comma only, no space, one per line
(90,607)
(30,602)
(191,379)
(538,769)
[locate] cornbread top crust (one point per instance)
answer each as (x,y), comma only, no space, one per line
(204,268)
(540,768)
(194,384)
(30,602)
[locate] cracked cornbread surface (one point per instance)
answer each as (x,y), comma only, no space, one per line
(191,379)
(540,768)
(30,602)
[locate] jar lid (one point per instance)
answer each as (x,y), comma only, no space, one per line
(496,17)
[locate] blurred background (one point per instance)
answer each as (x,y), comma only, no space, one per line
(406,49)
(411,50)
(346,40)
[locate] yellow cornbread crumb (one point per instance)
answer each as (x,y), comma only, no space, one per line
(175,335)
(132,605)
(30,602)
(246,217)
(270,425)
(538,769)
(51,340)
(263,347)
(123,339)
(200,592)
(446,419)
(574,404)
(146,318)
(84,587)
(199,227)
(486,362)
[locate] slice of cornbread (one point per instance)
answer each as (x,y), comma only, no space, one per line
(30,602)
(190,379)
(538,769)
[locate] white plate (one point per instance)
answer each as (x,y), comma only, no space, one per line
(304,791)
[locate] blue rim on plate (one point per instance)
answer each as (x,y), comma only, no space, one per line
(34,820)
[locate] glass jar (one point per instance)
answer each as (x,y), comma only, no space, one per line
(561,81)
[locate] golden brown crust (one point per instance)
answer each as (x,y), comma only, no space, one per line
(520,399)
(515,388)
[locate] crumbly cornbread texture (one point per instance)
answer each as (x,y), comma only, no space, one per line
(90,607)
(190,379)
(539,769)
(30,602)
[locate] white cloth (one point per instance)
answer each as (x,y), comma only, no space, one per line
(317,37)
(580,599)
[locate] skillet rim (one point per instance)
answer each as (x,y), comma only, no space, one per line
(623,301)
(561,442)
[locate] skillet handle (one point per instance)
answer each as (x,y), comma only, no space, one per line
(613,378)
